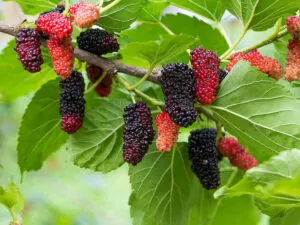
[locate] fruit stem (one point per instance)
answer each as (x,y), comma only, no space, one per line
(207,112)
(12,215)
(219,132)
(67,6)
(139,93)
(29,25)
(228,169)
(108,7)
(96,83)
(132,97)
(142,80)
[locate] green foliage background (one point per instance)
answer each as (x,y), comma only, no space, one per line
(62,183)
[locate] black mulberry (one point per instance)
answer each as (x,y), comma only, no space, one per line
(222,75)
(28,49)
(203,154)
(138,132)
(178,86)
(103,89)
(97,41)
(72,102)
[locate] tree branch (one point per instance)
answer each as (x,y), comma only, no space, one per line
(111,66)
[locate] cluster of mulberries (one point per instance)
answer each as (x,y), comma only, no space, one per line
(237,155)
(292,70)
(203,154)
(206,70)
(167,132)
(84,14)
(178,86)
(55,25)
(72,102)
(138,132)
(103,89)
(97,41)
(62,54)
(266,65)
(28,49)
(293,26)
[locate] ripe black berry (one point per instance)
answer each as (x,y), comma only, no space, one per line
(203,154)
(178,86)
(28,49)
(72,102)
(138,132)
(222,75)
(97,41)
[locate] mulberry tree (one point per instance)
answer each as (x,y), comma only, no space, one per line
(207,119)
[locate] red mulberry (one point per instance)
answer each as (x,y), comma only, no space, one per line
(57,10)
(55,25)
(203,154)
(97,41)
(266,65)
(236,154)
(94,73)
(167,132)
(293,26)
(62,55)
(84,14)
(72,103)
(28,49)
(292,70)
(206,70)
(138,132)
(178,85)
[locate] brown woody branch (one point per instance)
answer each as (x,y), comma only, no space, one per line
(111,66)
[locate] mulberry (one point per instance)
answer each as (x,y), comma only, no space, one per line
(293,26)
(236,154)
(178,86)
(28,49)
(206,70)
(203,154)
(103,89)
(55,25)
(138,132)
(62,55)
(72,103)
(97,41)
(222,75)
(57,10)
(167,132)
(292,70)
(84,14)
(266,65)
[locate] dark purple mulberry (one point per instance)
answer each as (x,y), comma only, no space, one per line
(222,75)
(178,86)
(72,102)
(103,89)
(138,132)
(97,41)
(28,49)
(203,154)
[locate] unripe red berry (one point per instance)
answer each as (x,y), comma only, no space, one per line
(293,25)
(84,14)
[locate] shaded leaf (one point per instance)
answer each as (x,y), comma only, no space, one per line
(40,134)
(33,7)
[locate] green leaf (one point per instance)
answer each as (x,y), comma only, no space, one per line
(121,16)
(14,80)
(260,112)
(161,184)
(33,7)
(207,36)
(261,14)
(152,11)
(158,52)
(40,134)
(291,217)
(210,9)
(11,198)
(98,144)
(274,183)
